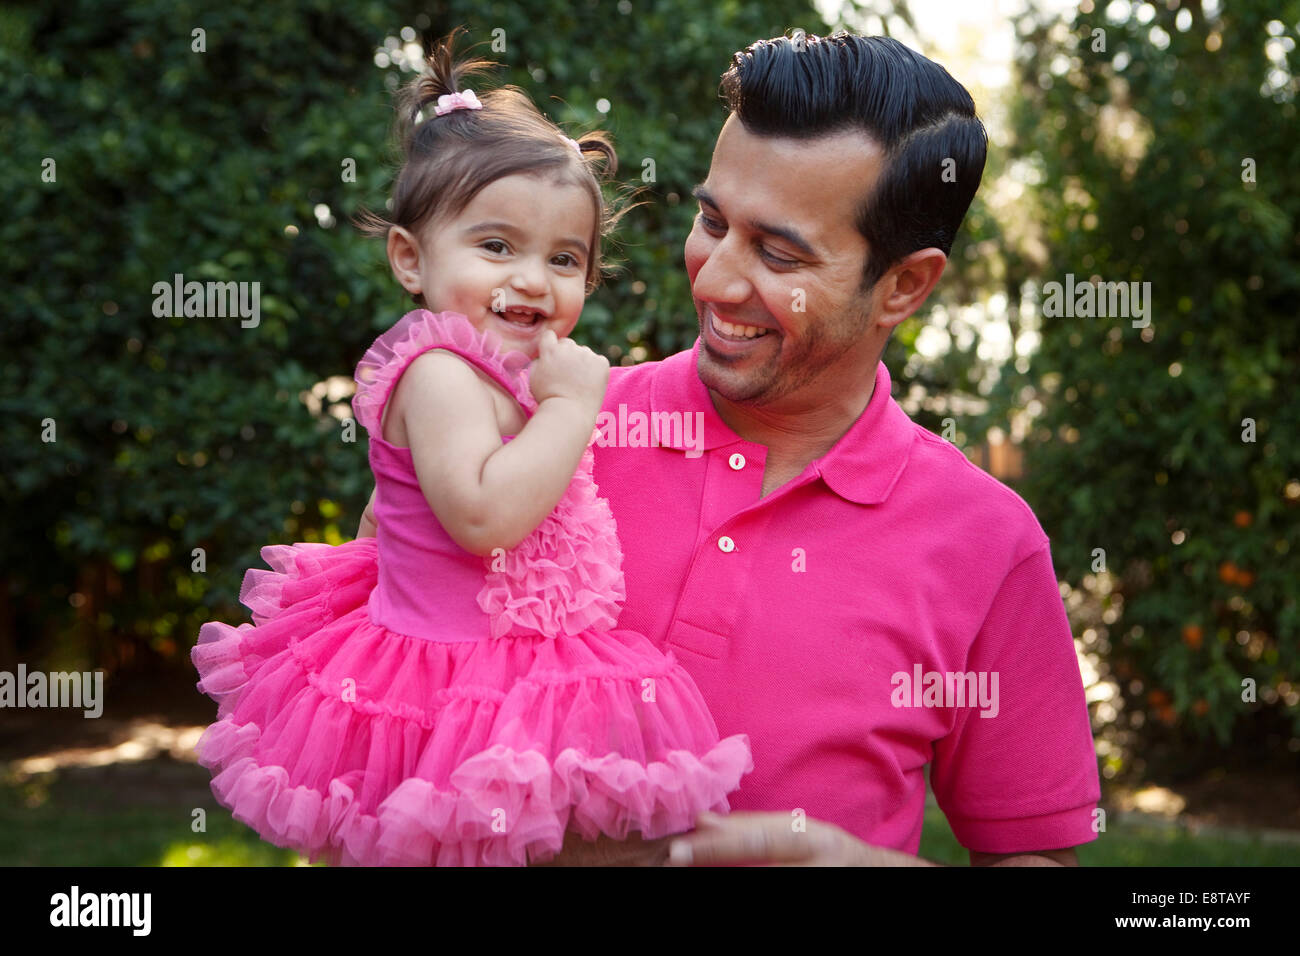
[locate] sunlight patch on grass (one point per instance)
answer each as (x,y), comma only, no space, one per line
(228,851)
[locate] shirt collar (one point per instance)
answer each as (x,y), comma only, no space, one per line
(863,466)
(677,388)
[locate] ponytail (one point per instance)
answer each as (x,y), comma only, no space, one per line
(442,74)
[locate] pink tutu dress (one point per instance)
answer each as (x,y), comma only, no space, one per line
(398,700)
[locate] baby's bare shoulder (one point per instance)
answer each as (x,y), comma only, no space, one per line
(435,381)
(439,372)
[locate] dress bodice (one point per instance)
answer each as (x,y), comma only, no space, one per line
(564,578)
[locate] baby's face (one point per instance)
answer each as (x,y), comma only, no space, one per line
(513,261)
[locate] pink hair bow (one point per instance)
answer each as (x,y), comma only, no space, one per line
(464,100)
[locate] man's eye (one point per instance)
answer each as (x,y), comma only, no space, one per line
(711,224)
(780,260)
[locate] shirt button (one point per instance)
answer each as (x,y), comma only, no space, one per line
(726,544)
(737,461)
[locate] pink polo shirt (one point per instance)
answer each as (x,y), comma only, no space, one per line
(893,606)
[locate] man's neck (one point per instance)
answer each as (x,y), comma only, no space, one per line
(796,434)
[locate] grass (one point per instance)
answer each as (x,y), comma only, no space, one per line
(132,816)
(1127,844)
(144,815)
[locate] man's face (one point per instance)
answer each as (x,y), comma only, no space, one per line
(776,262)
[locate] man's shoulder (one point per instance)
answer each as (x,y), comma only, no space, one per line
(960,490)
(628,382)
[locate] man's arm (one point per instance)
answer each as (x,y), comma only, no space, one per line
(1066,857)
(367,527)
(1021,769)
(607,851)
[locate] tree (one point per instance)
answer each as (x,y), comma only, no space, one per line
(1164,463)
(148,456)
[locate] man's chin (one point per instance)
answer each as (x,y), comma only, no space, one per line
(727,382)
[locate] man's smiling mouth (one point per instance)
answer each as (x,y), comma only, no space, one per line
(734,332)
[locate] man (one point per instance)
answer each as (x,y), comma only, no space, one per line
(843,586)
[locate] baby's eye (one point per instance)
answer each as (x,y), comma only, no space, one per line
(567,259)
(496,245)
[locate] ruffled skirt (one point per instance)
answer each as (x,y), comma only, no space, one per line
(360,746)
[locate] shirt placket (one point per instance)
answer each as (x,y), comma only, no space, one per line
(725,549)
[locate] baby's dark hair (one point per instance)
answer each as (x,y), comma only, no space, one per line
(448,159)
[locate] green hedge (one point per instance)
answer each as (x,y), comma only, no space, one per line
(173,434)
(1139,132)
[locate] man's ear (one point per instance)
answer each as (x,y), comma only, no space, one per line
(404,259)
(907,284)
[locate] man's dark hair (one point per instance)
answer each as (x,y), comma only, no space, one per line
(918,114)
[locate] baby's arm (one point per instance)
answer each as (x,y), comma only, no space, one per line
(486,494)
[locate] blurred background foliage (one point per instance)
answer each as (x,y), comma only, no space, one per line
(1159,146)
(185,443)
(231,164)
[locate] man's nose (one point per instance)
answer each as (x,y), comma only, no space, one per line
(721,278)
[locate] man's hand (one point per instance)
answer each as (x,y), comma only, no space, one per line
(770,839)
(368,525)
(607,851)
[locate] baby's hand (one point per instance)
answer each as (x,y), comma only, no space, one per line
(565,369)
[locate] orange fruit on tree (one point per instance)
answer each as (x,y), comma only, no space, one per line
(1228,572)
(1201,707)
(1192,635)
(1245,578)
(1158,698)
(1242,519)
(1166,715)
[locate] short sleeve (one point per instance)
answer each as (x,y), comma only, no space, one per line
(1022,776)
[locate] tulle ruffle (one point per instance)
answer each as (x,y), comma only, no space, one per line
(502,807)
(416,333)
(309,585)
(564,578)
(356,745)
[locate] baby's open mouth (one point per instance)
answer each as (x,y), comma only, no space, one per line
(522,316)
